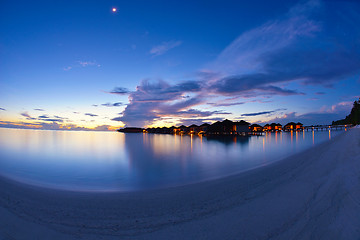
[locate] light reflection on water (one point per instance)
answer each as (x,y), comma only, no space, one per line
(112,161)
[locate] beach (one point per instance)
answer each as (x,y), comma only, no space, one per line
(311,195)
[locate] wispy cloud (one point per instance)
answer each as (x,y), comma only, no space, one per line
(47,118)
(325,115)
(39,109)
(164,47)
(2,109)
(88,63)
(116,104)
(339,107)
(313,99)
(91,114)
(120,91)
(244,54)
(81,64)
(262,113)
(27,116)
(226,104)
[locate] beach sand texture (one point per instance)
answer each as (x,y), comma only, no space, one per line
(311,195)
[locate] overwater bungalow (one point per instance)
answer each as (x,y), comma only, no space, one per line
(241,127)
(176,130)
(204,127)
(256,128)
(215,128)
(193,129)
(228,127)
(291,126)
(184,129)
(273,127)
(276,127)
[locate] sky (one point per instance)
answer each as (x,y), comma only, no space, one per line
(79,65)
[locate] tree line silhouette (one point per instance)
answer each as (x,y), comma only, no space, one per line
(353,117)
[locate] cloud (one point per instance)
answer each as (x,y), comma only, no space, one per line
(39,109)
(325,115)
(226,104)
(339,107)
(308,118)
(233,101)
(164,47)
(27,116)
(244,53)
(103,128)
(251,85)
(262,113)
(60,117)
(155,100)
(46,118)
(198,121)
(2,109)
(53,126)
(88,63)
(91,114)
(116,104)
(120,91)
(195,113)
(319,93)
(82,63)
(301,46)
(18,124)
(52,120)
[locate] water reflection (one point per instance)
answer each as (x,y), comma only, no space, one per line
(229,140)
(111,161)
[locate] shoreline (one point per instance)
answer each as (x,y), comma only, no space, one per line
(313,194)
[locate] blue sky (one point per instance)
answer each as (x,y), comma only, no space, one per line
(78,65)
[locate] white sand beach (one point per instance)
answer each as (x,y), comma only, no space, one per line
(311,195)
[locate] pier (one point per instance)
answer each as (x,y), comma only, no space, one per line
(327,127)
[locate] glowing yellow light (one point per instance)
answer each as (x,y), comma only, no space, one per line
(114,9)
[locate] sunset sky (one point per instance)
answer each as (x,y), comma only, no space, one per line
(81,65)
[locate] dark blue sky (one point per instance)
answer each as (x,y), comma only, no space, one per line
(73,64)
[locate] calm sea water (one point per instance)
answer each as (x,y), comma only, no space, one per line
(112,161)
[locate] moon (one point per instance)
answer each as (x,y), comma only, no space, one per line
(114,9)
